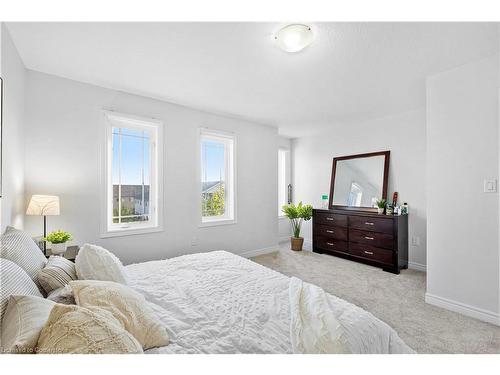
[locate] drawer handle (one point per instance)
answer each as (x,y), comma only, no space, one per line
(369,238)
(368,223)
(329,231)
(369,252)
(330,243)
(329,218)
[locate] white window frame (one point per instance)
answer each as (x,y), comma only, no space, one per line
(286,177)
(155,128)
(229,140)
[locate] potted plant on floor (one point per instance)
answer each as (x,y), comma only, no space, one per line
(297,214)
(381,203)
(58,240)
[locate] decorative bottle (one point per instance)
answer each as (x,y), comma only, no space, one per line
(324,202)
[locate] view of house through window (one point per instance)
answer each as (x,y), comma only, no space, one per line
(132,181)
(216,176)
(131,175)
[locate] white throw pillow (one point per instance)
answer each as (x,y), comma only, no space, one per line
(76,330)
(57,273)
(126,305)
(14,281)
(23,321)
(18,247)
(96,263)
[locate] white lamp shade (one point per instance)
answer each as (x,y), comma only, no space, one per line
(43,205)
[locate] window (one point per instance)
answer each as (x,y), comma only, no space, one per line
(283,179)
(217,177)
(355,195)
(132,176)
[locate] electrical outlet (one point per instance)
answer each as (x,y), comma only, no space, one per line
(490,186)
(194,241)
(415,241)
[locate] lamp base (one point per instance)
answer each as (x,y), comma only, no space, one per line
(44,235)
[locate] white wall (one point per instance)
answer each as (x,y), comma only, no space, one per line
(63,125)
(462,220)
(403,134)
(13,74)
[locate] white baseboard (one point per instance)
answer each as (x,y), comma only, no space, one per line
(254,253)
(462,308)
(284,239)
(417,266)
(308,244)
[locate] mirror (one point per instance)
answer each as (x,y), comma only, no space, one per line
(359,180)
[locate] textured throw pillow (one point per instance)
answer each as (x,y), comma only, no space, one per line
(23,321)
(126,305)
(96,263)
(77,330)
(57,273)
(62,295)
(14,281)
(18,247)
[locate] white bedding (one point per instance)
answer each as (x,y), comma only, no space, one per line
(218,302)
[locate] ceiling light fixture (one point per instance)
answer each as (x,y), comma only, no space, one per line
(294,38)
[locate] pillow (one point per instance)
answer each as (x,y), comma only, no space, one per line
(18,247)
(126,305)
(62,295)
(77,330)
(23,321)
(57,273)
(13,280)
(96,263)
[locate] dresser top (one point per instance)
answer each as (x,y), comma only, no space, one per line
(359,213)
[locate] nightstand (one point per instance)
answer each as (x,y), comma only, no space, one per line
(69,254)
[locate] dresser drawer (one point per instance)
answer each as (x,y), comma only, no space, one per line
(331,245)
(371,252)
(331,219)
(376,239)
(373,224)
(334,232)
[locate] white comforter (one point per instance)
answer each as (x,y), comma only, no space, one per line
(221,303)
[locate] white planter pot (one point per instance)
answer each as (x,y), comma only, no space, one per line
(58,248)
(380,210)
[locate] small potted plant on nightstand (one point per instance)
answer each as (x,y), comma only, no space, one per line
(381,203)
(297,214)
(58,240)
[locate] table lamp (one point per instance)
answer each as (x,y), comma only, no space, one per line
(43,205)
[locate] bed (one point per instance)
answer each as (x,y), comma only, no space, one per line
(214,302)
(218,302)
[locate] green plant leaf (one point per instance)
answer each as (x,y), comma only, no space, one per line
(58,236)
(297,214)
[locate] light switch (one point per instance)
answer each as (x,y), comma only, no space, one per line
(490,186)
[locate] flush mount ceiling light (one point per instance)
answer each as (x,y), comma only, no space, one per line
(294,38)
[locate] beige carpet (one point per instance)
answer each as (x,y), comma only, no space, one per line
(398,300)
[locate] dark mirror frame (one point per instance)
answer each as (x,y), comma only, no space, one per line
(358,156)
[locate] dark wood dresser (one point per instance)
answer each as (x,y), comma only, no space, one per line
(378,240)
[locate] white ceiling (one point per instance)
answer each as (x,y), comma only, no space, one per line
(351,72)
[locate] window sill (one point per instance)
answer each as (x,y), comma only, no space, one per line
(131,232)
(214,223)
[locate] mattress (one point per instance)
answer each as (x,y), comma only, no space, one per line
(218,302)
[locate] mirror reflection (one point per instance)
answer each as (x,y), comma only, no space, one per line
(359,182)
